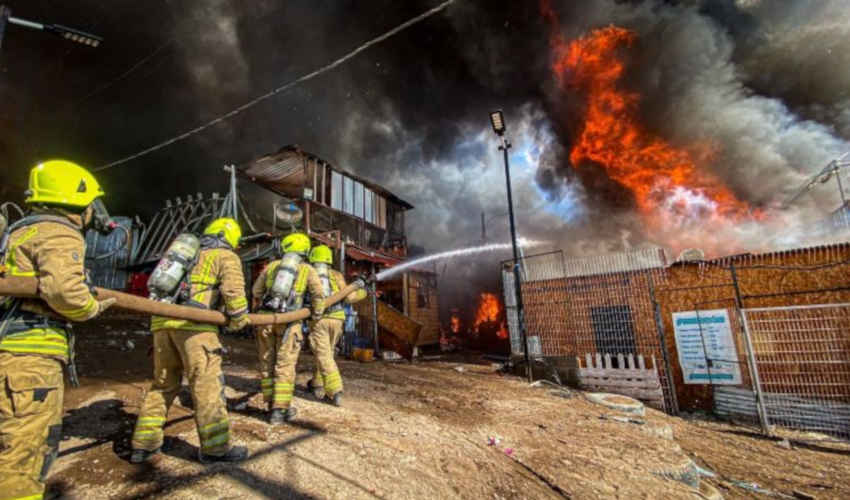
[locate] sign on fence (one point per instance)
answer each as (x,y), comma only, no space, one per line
(703,336)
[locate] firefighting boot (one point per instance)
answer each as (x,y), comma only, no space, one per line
(234,454)
(139,456)
(279,416)
(337,399)
(317,390)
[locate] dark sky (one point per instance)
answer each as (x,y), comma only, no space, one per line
(195,60)
(411,112)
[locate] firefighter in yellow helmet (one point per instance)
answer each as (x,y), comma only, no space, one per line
(35,339)
(281,287)
(185,347)
(325,333)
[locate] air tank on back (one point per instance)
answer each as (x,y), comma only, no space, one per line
(277,297)
(164,282)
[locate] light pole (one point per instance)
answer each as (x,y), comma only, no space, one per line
(65,32)
(497,119)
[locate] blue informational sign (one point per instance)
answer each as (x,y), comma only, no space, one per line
(701,332)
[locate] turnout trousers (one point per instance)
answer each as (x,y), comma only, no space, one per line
(324,335)
(278,348)
(196,354)
(31,392)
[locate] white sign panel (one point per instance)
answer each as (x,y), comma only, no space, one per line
(698,332)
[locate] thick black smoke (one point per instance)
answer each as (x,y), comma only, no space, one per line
(767,83)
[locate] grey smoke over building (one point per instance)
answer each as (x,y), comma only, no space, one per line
(766,83)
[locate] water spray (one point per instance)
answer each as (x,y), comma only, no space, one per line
(460,252)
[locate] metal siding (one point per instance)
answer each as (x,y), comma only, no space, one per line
(108,272)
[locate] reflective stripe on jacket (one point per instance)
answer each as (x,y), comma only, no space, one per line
(217,277)
(55,254)
(337,284)
(306,280)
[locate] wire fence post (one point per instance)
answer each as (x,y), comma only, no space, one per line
(751,356)
(659,325)
(754,375)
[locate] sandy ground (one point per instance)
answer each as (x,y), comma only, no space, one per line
(437,428)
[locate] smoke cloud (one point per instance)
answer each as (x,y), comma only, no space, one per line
(764,83)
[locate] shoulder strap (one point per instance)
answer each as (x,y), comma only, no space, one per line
(29,221)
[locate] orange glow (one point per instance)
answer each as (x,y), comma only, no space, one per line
(455,324)
(670,185)
(490,311)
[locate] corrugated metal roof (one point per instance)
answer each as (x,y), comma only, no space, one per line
(272,170)
(649,258)
(831,252)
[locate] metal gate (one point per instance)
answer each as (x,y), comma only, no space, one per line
(800,358)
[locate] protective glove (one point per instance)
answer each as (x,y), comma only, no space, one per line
(103,305)
(360,281)
(237,323)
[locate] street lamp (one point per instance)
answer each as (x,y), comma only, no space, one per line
(497,119)
(65,32)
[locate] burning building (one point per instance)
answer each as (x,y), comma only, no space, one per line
(291,189)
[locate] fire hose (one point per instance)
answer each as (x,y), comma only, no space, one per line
(25,287)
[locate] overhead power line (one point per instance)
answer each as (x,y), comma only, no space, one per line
(280,89)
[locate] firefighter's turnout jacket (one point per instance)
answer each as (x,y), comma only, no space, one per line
(324,335)
(278,346)
(190,348)
(49,247)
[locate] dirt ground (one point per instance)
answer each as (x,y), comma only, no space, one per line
(441,427)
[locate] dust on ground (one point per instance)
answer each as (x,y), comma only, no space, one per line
(437,428)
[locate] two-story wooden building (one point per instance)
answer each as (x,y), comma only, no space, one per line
(362,221)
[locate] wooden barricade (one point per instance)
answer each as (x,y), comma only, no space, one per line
(628,378)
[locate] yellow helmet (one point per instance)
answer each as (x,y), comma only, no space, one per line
(227,228)
(60,182)
(295,243)
(321,253)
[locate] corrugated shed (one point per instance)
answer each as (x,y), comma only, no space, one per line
(636,260)
(282,170)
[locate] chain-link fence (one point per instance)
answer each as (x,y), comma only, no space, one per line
(598,305)
(544,300)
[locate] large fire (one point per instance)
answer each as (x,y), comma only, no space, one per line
(490,311)
(668,184)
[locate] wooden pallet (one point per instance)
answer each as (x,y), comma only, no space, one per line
(631,377)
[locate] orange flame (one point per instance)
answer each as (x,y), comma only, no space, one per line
(667,184)
(490,310)
(455,324)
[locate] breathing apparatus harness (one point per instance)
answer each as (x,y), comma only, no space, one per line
(13,319)
(170,280)
(281,296)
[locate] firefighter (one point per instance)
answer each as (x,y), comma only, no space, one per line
(325,333)
(185,347)
(281,287)
(35,340)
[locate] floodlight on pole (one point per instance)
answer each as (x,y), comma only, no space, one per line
(71,34)
(497,119)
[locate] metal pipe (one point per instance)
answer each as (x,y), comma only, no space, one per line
(25,23)
(28,288)
(375,313)
(751,356)
(659,325)
(517,281)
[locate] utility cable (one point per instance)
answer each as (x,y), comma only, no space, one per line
(282,88)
